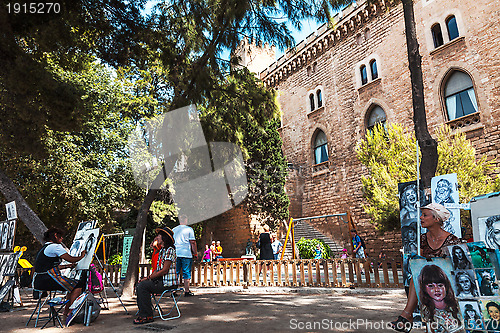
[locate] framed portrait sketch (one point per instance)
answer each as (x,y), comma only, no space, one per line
(472,314)
(485,214)
(435,288)
(490,308)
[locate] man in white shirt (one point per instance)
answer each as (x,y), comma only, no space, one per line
(185,248)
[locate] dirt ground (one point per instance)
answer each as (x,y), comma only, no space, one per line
(225,310)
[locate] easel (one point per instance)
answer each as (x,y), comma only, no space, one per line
(105,275)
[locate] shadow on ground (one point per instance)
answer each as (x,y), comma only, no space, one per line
(272,310)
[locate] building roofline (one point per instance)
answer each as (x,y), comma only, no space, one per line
(348,20)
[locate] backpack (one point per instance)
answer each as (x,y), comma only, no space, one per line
(362,242)
(95,284)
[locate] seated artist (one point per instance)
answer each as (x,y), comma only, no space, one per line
(162,278)
(47,267)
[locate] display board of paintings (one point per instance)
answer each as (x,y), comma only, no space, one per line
(460,290)
(8,232)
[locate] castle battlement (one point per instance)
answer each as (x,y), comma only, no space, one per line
(347,21)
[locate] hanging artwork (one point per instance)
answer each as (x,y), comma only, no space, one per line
(8,231)
(435,288)
(444,191)
(460,256)
(408,215)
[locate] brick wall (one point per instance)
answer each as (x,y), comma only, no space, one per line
(337,188)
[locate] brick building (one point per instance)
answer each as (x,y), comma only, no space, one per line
(339,82)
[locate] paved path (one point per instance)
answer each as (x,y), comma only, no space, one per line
(228,310)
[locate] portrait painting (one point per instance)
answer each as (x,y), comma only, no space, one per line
(490,308)
(472,314)
(465,283)
(409,238)
(89,244)
(479,254)
(435,288)
(460,256)
(486,280)
(444,189)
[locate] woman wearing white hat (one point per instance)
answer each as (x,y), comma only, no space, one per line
(432,245)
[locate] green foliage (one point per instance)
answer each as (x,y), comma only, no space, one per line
(115,259)
(266,172)
(85,174)
(307,248)
(389,154)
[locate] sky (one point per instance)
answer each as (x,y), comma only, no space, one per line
(308,27)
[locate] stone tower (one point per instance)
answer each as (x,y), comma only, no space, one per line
(254,56)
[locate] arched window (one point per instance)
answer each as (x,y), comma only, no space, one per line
(451,24)
(311,101)
(376,116)
(364,76)
(373,69)
(459,95)
(320,148)
(320,99)
(437,35)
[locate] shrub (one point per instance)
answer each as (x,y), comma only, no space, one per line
(306,248)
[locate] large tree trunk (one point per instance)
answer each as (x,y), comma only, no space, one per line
(428,146)
(135,248)
(24,212)
(142,218)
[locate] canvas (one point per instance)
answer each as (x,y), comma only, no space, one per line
(89,241)
(435,288)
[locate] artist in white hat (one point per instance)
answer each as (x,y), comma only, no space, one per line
(432,245)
